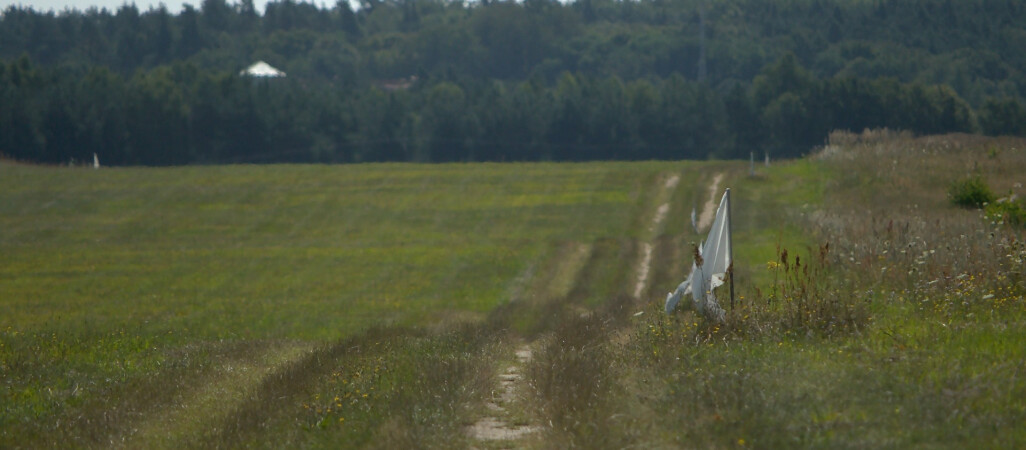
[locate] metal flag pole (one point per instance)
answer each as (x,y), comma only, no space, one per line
(730,249)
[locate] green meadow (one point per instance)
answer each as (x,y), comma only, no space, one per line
(380,305)
(308,252)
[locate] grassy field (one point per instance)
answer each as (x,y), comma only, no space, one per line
(289,251)
(113,280)
(377,305)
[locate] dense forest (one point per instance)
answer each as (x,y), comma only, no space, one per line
(438,80)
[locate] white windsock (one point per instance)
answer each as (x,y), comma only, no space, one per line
(716,250)
(716,258)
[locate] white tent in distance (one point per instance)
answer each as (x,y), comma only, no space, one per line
(712,264)
(261,69)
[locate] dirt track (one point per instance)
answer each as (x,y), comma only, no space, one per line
(497,426)
(709,209)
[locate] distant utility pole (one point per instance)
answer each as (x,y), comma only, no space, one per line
(701,42)
(751,164)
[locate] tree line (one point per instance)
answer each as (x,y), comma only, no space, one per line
(179,114)
(499,80)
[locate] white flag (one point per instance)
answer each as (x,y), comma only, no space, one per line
(716,256)
(716,250)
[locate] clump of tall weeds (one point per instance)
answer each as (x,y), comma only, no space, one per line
(806,298)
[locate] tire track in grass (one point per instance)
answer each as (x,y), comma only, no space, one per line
(500,426)
(571,378)
(192,417)
(709,209)
(497,427)
(653,230)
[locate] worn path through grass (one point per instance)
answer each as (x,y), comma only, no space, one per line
(512,416)
(709,208)
(654,228)
(211,400)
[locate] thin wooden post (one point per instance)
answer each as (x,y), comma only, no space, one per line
(730,248)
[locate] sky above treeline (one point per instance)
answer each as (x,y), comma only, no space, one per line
(173,6)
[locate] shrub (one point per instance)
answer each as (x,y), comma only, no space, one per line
(970,192)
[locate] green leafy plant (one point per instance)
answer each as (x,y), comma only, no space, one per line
(970,192)
(1009,212)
